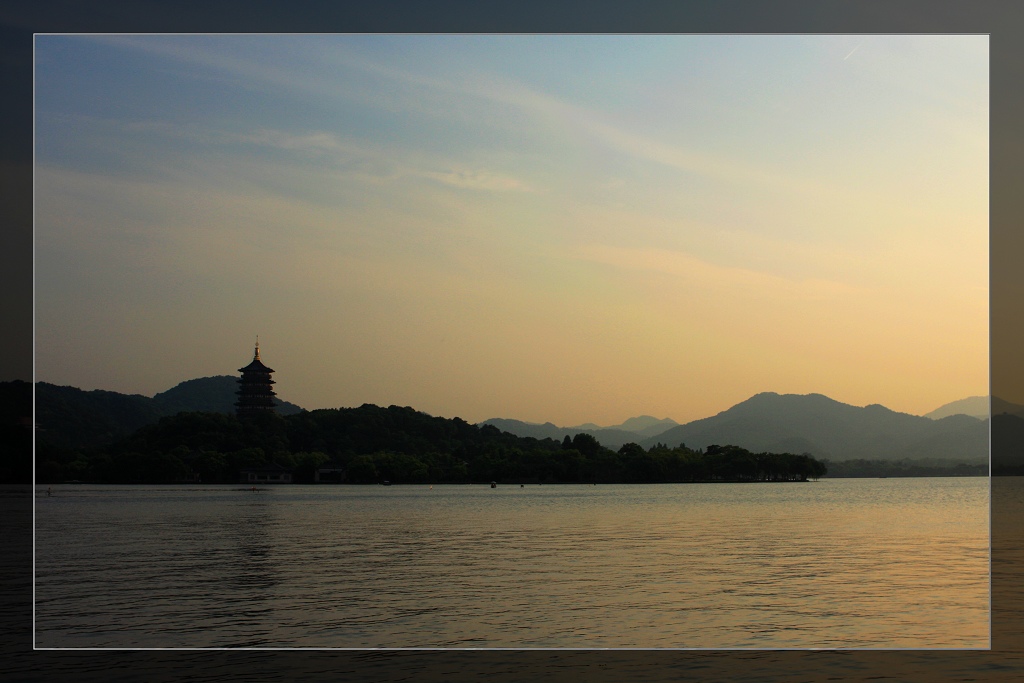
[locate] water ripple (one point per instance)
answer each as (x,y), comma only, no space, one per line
(838,563)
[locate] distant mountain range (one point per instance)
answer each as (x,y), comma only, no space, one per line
(68,417)
(976,406)
(811,423)
(631,431)
(826,428)
(1000,407)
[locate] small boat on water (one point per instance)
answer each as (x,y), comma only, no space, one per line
(494,484)
(385,483)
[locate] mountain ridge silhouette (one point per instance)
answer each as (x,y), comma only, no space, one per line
(826,428)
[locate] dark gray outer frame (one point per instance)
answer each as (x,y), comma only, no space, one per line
(1004,21)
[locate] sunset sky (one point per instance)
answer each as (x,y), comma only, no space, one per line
(548,228)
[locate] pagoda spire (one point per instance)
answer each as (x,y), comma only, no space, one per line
(256,354)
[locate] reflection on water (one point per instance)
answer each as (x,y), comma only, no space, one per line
(252,570)
(836,563)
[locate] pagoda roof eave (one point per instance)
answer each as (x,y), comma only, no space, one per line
(255,366)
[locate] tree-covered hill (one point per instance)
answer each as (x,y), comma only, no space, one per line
(106,436)
(70,418)
(209,394)
(401,445)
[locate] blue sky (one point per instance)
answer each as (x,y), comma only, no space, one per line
(564,228)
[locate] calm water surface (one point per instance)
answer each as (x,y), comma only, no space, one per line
(851,563)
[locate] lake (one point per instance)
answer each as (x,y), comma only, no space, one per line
(838,563)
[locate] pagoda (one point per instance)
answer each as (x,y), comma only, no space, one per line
(254,393)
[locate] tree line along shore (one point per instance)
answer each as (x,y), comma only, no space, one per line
(371,444)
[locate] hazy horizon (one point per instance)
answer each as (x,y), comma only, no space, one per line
(546,228)
(585,424)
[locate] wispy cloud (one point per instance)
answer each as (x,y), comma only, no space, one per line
(225,59)
(575,118)
(307,141)
(701,274)
(317,69)
(544,109)
(343,152)
(478,180)
(402,163)
(318,65)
